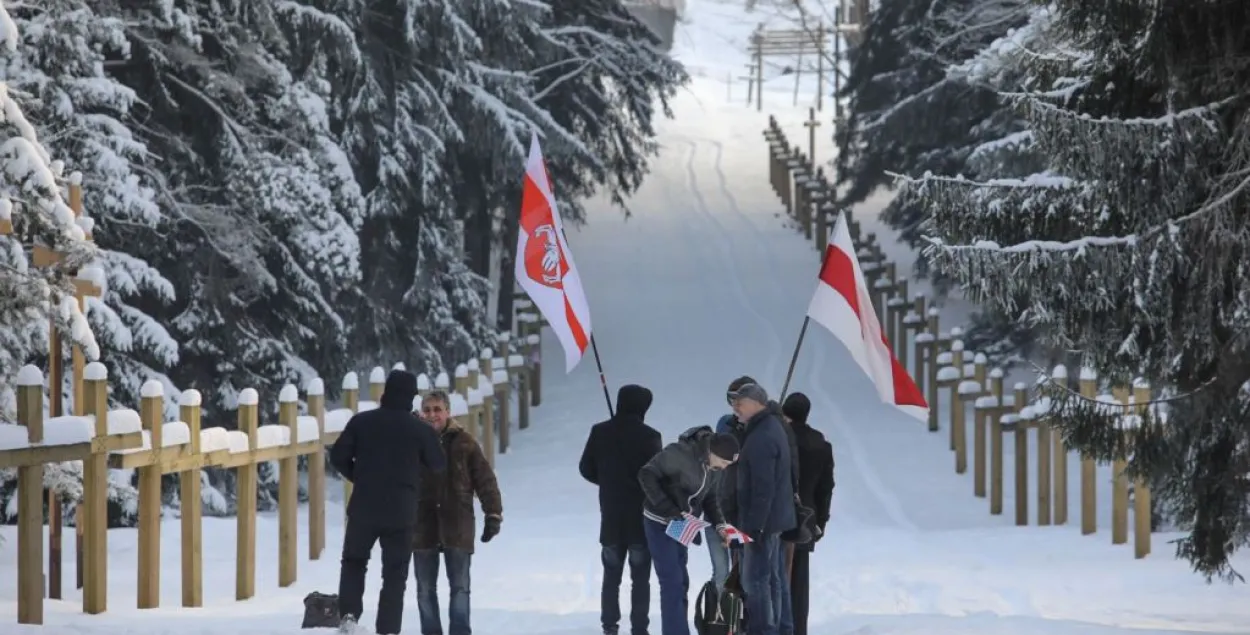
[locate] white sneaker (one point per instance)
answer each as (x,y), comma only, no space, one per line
(347,625)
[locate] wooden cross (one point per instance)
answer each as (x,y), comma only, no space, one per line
(811,124)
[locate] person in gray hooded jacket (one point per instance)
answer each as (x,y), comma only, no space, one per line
(680,480)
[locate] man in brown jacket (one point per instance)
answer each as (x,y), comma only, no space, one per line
(445,519)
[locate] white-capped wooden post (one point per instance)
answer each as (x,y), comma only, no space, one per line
(288,489)
(151,411)
(423,385)
(189,492)
(351,401)
(475,399)
(30,501)
(377,382)
(95,476)
(245,565)
(317,472)
(462,389)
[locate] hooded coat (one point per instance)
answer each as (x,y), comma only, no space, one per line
(376,453)
(615,450)
(679,480)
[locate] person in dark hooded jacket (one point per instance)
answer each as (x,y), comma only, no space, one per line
(375,452)
(815,491)
(676,483)
(615,451)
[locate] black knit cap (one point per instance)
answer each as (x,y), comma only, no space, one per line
(724,446)
(797,406)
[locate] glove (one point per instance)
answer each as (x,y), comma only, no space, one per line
(818,532)
(492,527)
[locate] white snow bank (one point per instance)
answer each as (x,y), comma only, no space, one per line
(124,421)
(288,394)
(271,435)
(68,430)
(248,397)
(175,433)
(214,439)
(190,398)
(377,375)
(337,419)
(316,388)
(95,371)
(351,381)
(237,441)
(29,376)
(151,389)
(13,437)
(307,429)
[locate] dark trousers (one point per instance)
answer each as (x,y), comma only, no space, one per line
(799,580)
(425,566)
(670,558)
(358,541)
(614,559)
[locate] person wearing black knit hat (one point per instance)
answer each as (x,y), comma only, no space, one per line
(815,492)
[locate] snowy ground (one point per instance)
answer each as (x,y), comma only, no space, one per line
(701,284)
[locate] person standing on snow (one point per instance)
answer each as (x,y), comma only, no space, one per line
(680,480)
(615,451)
(445,522)
(383,453)
(766,508)
(721,552)
(815,491)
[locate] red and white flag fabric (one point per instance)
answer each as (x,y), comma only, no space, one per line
(544,264)
(733,534)
(842,305)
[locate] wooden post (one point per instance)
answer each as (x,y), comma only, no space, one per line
(1059,456)
(933,349)
(1021,434)
(486,385)
(351,401)
(189,491)
(535,341)
(759,72)
(151,412)
(377,382)
(462,389)
(288,489)
(503,393)
(1058,374)
(1119,480)
(957,405)
(969,391)
(316,392)
(30,502)
(475,400)
(1141,488)
(811,124)
(95,497)
(986,407)
(516,365)
(1089,469)
(245,563)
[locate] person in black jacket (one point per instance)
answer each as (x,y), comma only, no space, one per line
(676,484)
(375,452)
(816,492)
(615,451)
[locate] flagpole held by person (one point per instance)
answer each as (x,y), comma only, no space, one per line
(544,268)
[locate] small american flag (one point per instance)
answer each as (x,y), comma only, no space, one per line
(733,534)
(684,529)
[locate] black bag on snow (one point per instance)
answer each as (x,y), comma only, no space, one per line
(721,613)
(321,611)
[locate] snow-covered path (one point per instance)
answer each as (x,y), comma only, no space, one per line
(704,283)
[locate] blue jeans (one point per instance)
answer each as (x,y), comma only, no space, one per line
(425,565)
(719,554)
(614,558)
(669,558)
(781,594)
(761,582)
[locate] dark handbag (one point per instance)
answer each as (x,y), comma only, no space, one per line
(804,525)
(321,611)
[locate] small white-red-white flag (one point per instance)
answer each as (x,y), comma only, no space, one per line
(842,305)
(544,264)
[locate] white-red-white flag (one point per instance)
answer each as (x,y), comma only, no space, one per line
(544,264)
(842,305)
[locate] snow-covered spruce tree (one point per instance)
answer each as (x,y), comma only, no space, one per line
(259,238)
(32,298)
(1131,247)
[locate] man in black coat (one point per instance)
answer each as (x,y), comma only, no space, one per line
(815,490)
(375,452)
(615,451)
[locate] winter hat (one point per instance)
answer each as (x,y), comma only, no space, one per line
(400,389)
(797,407)
(724,446)
(740,382)
(750,391)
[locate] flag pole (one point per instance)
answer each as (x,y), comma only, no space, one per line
(602,380)
(794,358)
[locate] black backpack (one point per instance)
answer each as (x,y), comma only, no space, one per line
(321,610)
(720,613)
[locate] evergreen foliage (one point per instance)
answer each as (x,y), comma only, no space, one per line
(1129,246)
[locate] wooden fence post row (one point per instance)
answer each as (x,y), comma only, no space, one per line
(959,382)
(142,440)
